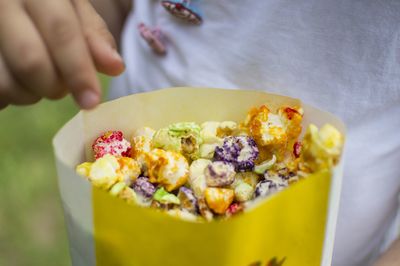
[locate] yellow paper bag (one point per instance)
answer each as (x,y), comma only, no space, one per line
(293,227)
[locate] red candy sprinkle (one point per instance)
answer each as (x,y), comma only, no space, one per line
(297,149)
(111,142)
(290,112)
(234,208)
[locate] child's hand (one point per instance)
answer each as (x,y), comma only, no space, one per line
(51,47)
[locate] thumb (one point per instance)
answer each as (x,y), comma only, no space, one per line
(100,41)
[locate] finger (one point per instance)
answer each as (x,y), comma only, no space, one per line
(25,52)
(101,43)
(60,28)
(10,91)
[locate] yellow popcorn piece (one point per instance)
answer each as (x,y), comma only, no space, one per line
(141,144)
(268,128)
(219,199)
(84,169)
(129,170)
(197,178)
(321,148)
(292,118)
(265,127)
(168,168)
(226,128)
(184,215)
(212,131)
(207,150)
(104,172)
(209,132)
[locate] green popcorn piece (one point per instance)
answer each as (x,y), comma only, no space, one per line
(162,139)
(164,197)
(261,168)
(181,137)
(243,192)
(117,188)
(184,128)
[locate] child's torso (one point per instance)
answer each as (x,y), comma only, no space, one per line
(341,56)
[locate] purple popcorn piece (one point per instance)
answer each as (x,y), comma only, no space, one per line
(188,199)
(143,187)
(269,185)
(220,174)
(241,151)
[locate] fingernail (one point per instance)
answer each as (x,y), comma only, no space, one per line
(88,99)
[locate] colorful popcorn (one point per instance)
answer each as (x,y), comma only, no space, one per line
(111,142)
(213,170)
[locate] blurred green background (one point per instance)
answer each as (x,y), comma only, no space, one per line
(32,230)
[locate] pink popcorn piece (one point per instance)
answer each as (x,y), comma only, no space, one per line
(111,142)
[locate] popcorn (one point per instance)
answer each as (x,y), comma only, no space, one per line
(266,128)
(84,169)
(241,151)
(219,199)
(107,170)
(143,187)
(250,178)
(183,138)
(219,174)
(322,148)
(104,172)
(141,144)
(264,166)
(274,129)
(187,199)
(243,192)
(124,192)
(271,184)
(207,150)
(205,212)
(197,178)
(169,169)
(183,214)
(212,132)
(129,169)
(164,197)
(111,142)
(292,118)
(215,170)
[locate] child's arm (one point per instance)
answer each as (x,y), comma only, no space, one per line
(390,257)
(49,48)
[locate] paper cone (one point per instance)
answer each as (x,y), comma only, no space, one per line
(295,226)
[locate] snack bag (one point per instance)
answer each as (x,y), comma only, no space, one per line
(295,226)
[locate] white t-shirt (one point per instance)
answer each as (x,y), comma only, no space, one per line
(340,55)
